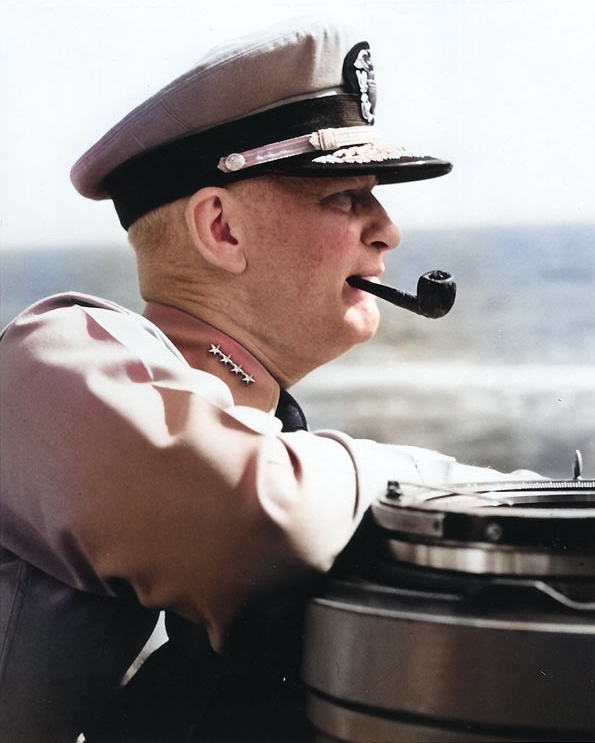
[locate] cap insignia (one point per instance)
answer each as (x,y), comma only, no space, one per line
(234,368)
(358,74)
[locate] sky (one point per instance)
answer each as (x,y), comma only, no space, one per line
(502,88)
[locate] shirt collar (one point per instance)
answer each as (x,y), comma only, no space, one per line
(209,349)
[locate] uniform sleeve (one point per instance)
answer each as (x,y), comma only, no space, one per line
(121,464)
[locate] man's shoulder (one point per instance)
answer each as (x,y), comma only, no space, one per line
(71,299)
(67,315)
(60,310)
(64,300)
(71,324)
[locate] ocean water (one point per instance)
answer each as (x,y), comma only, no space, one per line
(506,379)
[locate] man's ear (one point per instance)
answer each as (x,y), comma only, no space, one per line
(208,214)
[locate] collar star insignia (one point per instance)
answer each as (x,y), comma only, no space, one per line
(226,360)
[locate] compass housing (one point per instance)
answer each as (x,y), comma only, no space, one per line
(464,614)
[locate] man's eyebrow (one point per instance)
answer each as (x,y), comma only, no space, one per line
(354,183)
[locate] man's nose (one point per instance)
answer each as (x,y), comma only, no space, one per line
(381,232)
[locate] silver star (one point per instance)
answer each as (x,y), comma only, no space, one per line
(229,362)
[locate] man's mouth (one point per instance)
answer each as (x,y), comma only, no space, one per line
(355,280)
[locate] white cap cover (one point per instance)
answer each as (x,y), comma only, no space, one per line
(297,101)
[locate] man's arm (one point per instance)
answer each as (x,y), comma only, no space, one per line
(122,463)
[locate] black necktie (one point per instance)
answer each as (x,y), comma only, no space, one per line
(290,413)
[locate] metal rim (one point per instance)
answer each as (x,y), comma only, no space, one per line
(487,559)
(545,524)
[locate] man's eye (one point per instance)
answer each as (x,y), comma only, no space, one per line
(345,200)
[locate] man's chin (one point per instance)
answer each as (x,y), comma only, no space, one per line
(363,324)
(355,338)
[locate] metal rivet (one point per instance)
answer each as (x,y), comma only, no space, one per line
(235,161)
(493,532)
(393,490)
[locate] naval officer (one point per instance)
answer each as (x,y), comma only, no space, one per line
(158,463)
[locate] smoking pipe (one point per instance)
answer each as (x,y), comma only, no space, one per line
(436,291)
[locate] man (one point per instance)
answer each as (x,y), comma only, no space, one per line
(158,463)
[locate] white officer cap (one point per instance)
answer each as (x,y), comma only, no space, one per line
(293,102)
